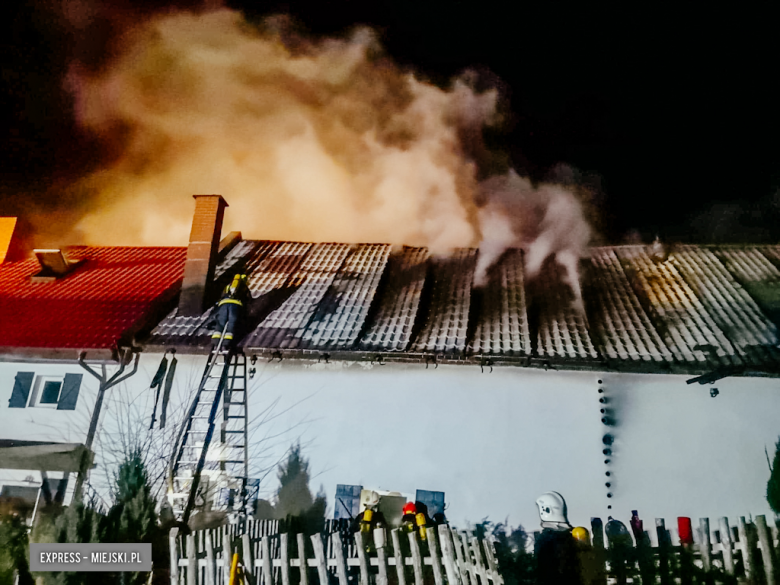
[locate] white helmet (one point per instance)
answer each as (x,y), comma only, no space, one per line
(552,507)
(369,498)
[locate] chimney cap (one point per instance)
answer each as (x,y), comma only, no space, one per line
(225,203)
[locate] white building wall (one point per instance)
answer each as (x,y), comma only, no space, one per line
(491,441)
(45,423)
(42,423)
(680,452)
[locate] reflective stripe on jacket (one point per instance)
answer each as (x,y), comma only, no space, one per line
(231,301)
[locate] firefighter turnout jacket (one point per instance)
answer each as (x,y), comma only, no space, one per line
(230,308)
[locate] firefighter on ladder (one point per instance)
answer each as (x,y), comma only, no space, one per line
(229,311)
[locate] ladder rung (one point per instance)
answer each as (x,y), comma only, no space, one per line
(234,431)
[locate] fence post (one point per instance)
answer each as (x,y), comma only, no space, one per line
(747,549)
(341,563)
(211,565)
(304,565)
(319,554)
(250,574)
(380,541)
(448,552)
(192,561)
(265,548)
(767,552)
(284,555)
(704,546)
(726,542)
(399,559)
(663,550)
(360,545)
(479,566)
(227,554)
(597,531)
(174,553)
(416,558)
(470,563)
(463,563)
(599,554)
(491,560)
(433,545)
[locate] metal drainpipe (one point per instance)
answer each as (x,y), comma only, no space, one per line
(105,384)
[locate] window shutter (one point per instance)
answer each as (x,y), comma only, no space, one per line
(434,501)
(21,393)
(70,392)
(347,503)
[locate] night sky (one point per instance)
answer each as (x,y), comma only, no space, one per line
(659,104)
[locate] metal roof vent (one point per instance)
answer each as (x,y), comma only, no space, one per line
(54,265)
(658,251)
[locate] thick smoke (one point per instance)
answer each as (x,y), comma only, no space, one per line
(546,220)
(322,140)
(325,143)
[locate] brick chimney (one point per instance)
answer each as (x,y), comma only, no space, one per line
(201,253)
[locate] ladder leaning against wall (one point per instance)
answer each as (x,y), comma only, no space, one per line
(211,472)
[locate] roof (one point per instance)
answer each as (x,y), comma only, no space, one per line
(702,309)
(108,297)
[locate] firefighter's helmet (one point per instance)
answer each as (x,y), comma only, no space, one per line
(409,508)
(371,500)
(552,507)
(581,533)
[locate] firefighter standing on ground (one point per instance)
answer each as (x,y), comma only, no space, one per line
(591,561)
(415,519)
(556,551)
(368,520)
(230,310)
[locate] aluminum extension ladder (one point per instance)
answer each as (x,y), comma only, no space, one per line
(207,469)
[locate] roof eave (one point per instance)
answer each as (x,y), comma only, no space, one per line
(58,354)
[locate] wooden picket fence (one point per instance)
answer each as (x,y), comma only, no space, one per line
(204,557)
(746,553)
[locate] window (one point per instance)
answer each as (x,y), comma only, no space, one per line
(60,392)
(51,392)
(46,391)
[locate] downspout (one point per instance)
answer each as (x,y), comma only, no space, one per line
(105,384)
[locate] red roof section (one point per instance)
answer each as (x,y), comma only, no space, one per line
(91,308)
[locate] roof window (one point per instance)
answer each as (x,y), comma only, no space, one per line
(54,265)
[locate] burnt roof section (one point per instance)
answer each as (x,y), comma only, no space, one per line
(446,321)
(561,330)
(619,324)
(398,304)
(285,327)
(700,309)
(502,320)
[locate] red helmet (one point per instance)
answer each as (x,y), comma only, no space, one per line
(409,508)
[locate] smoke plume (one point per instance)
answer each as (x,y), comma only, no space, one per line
(327,142)
(316,140)
(547,220)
